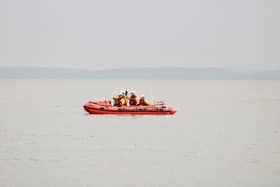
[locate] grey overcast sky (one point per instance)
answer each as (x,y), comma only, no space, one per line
(126,33)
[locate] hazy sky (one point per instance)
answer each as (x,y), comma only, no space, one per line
(126,33)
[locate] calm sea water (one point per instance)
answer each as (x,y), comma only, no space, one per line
(226,133)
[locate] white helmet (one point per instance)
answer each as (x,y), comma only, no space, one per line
(132,92)
(121,92)
(142,96)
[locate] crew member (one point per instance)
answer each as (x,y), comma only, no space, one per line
(143,101)
(119,100)
(133,101)
(126,98)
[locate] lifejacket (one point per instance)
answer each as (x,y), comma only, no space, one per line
(143,102)
(126,100)
(118,101)
(133,100)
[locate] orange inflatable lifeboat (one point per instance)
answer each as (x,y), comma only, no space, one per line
(105,107)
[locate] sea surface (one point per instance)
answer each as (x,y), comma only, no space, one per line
(225,134)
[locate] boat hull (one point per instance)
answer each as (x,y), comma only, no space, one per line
(104,107)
